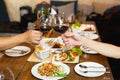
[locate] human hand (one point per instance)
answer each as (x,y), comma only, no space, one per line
(71,39)
(32,36)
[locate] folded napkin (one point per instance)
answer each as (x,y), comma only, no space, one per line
(34,58)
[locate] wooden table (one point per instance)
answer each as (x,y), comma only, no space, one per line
(22,68)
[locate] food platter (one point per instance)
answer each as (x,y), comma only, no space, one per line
(88,28)
(53,42)
(66,57)
(63,68)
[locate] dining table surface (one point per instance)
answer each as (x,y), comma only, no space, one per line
(21,68)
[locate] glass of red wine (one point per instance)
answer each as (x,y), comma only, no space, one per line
(60,26)
(45,27)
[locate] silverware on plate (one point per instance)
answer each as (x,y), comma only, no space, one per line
(84,66)
(86,71)
(19,51)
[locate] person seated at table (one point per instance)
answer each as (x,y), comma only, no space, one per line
(106,49)
(30,36)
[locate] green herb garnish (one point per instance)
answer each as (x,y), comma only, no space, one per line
(61,75)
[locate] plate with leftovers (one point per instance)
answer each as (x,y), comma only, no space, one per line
(54,42)
(90,69)
(88,28)
(84,28)
(69,56)
(17,51)
(50,70)
(87,50)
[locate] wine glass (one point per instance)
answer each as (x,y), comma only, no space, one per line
(6,73)
(45,26)
(59,26)
(82,33)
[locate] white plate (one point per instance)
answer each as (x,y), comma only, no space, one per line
(15,51)
(89,35)
(75,61)
(58,39)
(35,73)
(89,51)
(83,27)
(92,70)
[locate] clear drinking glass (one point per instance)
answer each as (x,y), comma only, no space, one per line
(6,73)
(82,33)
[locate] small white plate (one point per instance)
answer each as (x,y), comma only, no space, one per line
(94,69)
(15,51)
(89,51)
(35,73)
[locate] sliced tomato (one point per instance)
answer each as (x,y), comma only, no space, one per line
(75,54)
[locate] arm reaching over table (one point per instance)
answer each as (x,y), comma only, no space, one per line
(109,50)
(30,36)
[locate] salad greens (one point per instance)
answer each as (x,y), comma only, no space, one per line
(78,50)
(77,24)
(60,72)
(60,75)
